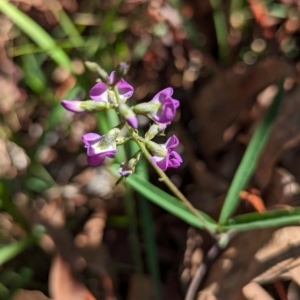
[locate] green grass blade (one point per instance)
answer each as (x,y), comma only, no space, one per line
(221,29)
(36,33)
(274,218)
(147,227)
(166,201)
(8,252)
(250,158)
(66,24)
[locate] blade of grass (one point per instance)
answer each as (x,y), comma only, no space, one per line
(221,28)
(8,205)
(134,241)
(66,23)
(147,227)
(36,33)
(8,252)
(250,158)
(275,218)
(166,201)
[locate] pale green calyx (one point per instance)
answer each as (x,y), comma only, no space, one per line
(111,137)
(95,106)
(154,130)
(156,149)
(146,108)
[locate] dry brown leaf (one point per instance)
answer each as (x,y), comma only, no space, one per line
(272,253)
(283,189)
(29,295)
(285,135)
(135,287)
(221,101)
(234,268)
(63,285)
(280,257)
(254,291)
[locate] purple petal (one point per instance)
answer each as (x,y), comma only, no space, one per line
(176,103)
(124,172)
(111,153)
(166,113)
(112,76)
(163,95)
(73,106)
(161,162)
(175,160)
(132,121)
(91,138)
(172,142)
(96,159)
(97,150)
(99,92)
(125,89)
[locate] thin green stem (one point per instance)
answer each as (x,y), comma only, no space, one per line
(168,182)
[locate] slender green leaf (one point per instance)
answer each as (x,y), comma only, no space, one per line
(8,252)
(33,75)
(274,218)
(166,201)
(250,158)
(67,24)
(221,29)
(36,33)
(147,226)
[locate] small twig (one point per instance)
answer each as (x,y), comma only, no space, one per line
(212,253)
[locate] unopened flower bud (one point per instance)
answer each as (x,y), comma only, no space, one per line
(121,70)
(80,107)
(156,149)
(154,130)
(146,108)
(127,113)
(128,168)
(94,67)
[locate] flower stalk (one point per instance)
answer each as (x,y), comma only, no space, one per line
(112,93)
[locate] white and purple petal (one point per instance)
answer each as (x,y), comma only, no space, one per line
(73,106)
(91,138)
(161,162)
(99,92)
(172,142)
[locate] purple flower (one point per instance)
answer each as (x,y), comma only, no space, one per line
(98,148)
(99,92)
(172,158)
(167,106)
(162,108)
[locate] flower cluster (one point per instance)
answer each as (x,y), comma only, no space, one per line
(112,93)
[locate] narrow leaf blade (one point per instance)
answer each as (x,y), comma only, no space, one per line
(250,158)
(166,201)
(36,33)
